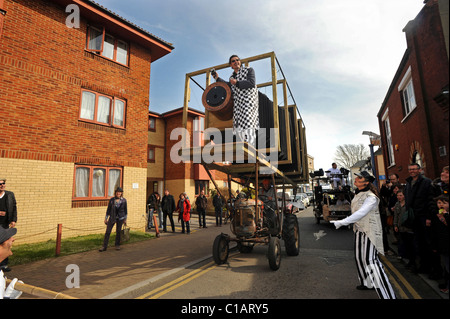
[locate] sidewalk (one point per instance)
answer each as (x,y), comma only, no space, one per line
(104,273)
(432,283)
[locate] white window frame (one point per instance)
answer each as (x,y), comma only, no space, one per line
(96,182)
(118,50)
(90,109)
(389,144)
(406,89)
(199,128)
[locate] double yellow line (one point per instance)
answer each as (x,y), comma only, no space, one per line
(160,291)
(402,279)
(165,289)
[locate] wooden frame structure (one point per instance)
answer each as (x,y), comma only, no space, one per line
(293,168)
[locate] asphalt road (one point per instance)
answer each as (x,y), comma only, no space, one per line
(180,267)
(324,269)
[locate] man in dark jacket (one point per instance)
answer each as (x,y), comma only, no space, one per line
(168,207)
(116,214)
(417,195)
(218,205)
(8,214)
(201,203)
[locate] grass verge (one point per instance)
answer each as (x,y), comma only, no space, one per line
(27,253)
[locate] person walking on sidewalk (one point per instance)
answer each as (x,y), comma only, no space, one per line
(152,205)
(8,215)
(116,214)
(159,211)
(168,207)
(184,210)
(201,202)
(218,203)
(368,237)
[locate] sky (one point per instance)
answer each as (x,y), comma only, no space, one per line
(338,57)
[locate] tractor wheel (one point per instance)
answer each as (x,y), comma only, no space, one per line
(274,253)
(220,250)
(291,235)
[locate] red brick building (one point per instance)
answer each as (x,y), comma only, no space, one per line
(74,96)
(413,118)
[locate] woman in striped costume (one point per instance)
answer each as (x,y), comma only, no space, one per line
(368,237)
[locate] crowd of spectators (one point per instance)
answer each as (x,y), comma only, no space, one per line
(416,210)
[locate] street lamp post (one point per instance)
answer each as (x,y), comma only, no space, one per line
(373,137)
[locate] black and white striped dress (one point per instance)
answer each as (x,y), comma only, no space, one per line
(371,273)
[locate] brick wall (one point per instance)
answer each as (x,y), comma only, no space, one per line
(429,52)
(43,192)
(426,127)
(43,68)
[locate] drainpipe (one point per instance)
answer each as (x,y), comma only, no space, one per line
(425,105)
(165,148)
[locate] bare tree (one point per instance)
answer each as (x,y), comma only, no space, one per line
(348,154)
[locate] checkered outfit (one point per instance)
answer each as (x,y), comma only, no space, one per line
(246,109)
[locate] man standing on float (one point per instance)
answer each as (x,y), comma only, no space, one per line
(245,95)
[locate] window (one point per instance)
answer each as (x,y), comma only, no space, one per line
(102,109)
(406,89)
(409,100)
(122,52)
(119,111)
(95,182)
(152,124)
(106,45)
(199,128)
(199,124)
(417,159)
(151,154)
(389,145)
(2,16)
(201,185)
(95,40)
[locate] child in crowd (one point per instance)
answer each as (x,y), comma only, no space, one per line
(402,227)
(440,241)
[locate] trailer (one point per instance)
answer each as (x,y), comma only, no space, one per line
(329,203)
